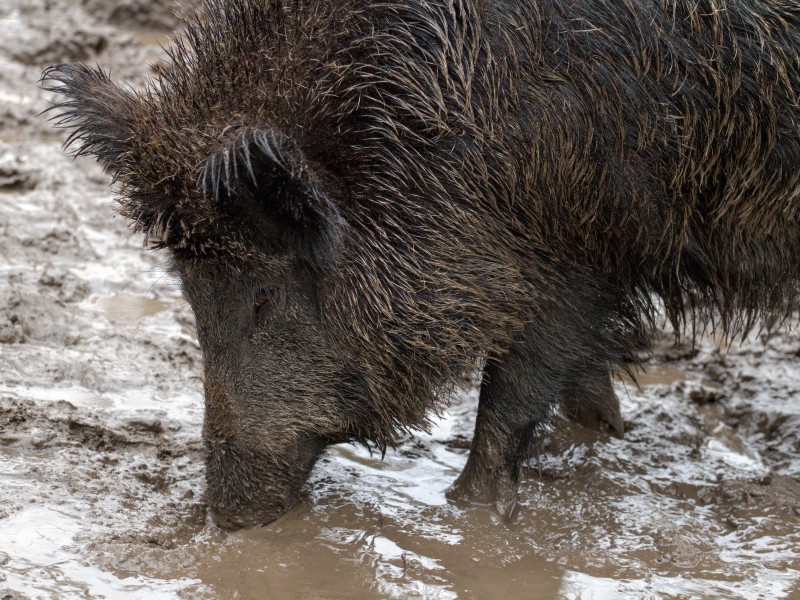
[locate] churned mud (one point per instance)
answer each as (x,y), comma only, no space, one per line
(101,475)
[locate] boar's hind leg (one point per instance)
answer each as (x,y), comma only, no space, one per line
(592,403)
(516,394)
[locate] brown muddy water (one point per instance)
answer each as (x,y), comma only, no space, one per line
(101,476)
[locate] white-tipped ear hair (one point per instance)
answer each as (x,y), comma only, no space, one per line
(263,166)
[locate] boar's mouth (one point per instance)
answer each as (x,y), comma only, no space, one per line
(247,488)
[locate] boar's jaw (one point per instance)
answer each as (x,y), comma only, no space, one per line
(246,488)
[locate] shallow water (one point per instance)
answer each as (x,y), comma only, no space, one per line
(127,307)
(101,474)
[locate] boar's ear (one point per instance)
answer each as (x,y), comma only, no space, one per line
(95,108)
(265,169)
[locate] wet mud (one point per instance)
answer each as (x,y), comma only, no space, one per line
(101,474)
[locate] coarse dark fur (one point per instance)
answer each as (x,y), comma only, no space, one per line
(365,200)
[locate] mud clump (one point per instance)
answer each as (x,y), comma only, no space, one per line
(30,317)
(773,491)
(67,287)
(156,15)
(703,395)
(68,42)
(26,425)
(16,174)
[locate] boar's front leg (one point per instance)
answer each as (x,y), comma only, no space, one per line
(515,396)
(559,362)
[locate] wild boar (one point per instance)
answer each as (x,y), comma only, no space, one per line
(366,201)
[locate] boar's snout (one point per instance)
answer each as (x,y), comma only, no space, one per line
(248,488)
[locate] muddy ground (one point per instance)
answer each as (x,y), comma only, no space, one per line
(101,476)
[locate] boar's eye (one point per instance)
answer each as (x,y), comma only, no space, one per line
(266,297)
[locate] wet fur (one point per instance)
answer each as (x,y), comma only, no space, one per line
(527,183)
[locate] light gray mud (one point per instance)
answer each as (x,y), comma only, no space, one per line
(101,475)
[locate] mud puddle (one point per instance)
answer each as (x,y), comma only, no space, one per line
(127,307)
(101,475)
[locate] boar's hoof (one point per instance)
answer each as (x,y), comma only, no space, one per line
(484,487)
(597,416)
(594,405)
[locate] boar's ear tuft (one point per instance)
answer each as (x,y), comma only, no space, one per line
(96,109)
(266,169)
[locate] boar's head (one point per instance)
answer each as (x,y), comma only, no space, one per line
(254,237)
(277,389)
